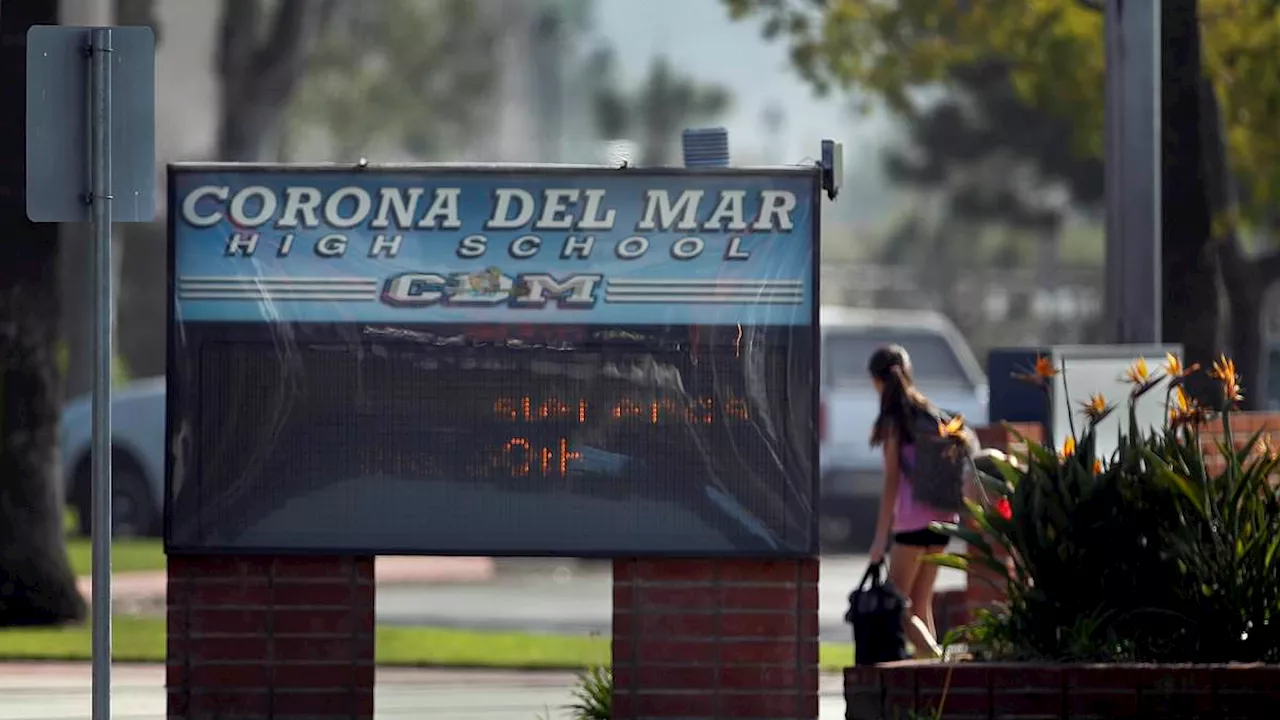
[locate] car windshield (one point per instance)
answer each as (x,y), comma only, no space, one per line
(933,362)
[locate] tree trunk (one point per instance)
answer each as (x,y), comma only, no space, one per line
(1247,285)
(138,12)
(142,299)
(259,77)
(37,586)
(141,254)
(1192,312)
(77,330)
(1245,281)
(245,128)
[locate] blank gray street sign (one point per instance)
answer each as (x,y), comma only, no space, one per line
(58,126)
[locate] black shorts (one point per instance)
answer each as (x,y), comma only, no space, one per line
(923,537)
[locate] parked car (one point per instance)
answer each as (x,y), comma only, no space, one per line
(137,461)
(945,369)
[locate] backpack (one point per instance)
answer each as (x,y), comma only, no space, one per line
(944,459)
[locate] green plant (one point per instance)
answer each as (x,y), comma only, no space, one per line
(1144,555)
(1224,535)
(593,697)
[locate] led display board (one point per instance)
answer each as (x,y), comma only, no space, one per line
(492,361)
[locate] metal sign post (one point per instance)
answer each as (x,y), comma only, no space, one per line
(100,206)
(88,155)
(1133,159)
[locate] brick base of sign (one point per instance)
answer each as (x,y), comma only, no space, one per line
(284,638)
(991,691)
(703,639)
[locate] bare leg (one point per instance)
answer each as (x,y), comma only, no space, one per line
(904,567)
(922,603)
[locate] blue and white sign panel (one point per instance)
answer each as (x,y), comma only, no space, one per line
(481,361)
(597,248)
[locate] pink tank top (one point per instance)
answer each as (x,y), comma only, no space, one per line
(909,514)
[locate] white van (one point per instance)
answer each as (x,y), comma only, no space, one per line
(945,369)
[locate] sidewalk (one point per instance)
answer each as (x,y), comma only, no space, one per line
(149,587)
(57,691)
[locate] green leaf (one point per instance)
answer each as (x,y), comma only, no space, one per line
(948,560)
(967,535)
(1269,558)
(1010,473)
(1039,454)
(998,486)
(1187,490)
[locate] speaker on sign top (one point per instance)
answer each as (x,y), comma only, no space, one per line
(706,147)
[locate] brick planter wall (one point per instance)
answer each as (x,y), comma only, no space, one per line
(1243,427)
(270,637)
(991,691)
(702,639)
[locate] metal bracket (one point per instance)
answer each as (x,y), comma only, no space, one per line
(832,165)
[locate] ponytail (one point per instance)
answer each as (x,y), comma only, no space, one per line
(899,398)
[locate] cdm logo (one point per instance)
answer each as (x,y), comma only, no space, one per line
(491,287)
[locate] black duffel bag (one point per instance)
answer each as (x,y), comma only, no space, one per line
(875,612)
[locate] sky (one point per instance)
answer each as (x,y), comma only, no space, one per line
(699,38)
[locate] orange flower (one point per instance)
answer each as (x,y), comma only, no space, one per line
(1040,374)
(1265,448)
(1174,369)
(1138,373)
(1068,448)
(953,428)
(1096,408)
(1097,467)
(1224,371)
(1183,410)
(1179,405)
(1141,377)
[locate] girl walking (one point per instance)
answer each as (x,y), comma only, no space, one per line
(902,517)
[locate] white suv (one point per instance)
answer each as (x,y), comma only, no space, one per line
(945,369)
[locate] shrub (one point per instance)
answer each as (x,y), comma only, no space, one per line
(593,695)
(593,698)
(1150,554)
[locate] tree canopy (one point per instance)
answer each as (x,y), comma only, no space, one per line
(657,111)
(1220,108)
(401,76)
(999,159)
(1055,52)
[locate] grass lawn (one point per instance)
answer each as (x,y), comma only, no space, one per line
(135,555)
(142,639)
(126,555)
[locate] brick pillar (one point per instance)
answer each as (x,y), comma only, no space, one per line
(703,639)
(270,637)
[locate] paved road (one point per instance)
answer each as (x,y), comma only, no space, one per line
(62,692)
(545,596)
